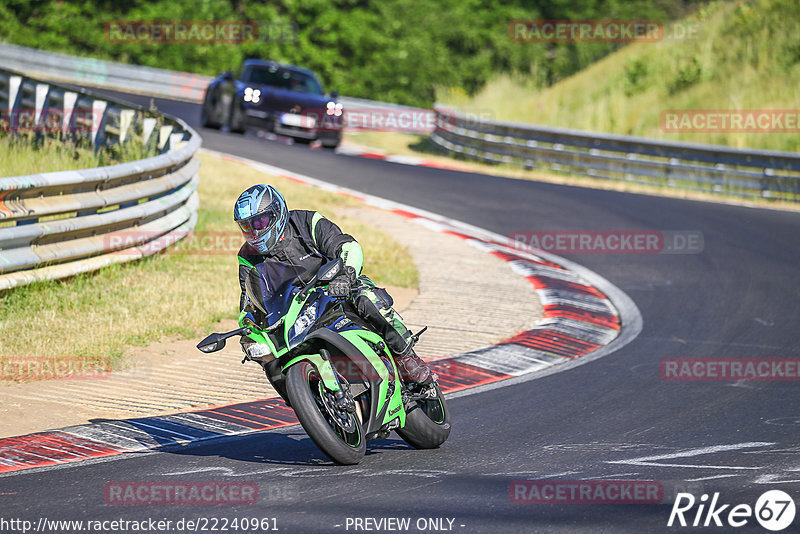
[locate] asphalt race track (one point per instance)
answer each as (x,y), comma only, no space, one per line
(614,418)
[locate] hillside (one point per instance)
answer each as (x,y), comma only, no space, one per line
(743,56)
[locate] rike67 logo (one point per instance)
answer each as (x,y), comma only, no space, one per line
(774,510)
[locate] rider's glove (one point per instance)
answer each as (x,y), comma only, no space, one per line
(340,286)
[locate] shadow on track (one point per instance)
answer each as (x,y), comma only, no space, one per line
(289,446)
(271,448)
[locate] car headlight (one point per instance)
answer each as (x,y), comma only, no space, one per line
(252,95)
(333,108)
(303,321)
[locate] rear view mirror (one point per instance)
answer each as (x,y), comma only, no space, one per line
(212,343)
(216,341)
(330,270)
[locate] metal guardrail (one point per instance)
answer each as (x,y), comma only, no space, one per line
(707,168)
(101,73)
(58,224)
(136,78)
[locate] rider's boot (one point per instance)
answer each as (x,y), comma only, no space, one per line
(413,369)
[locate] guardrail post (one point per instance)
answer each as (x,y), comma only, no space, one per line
(70,99)
(126,117)
(98,122)
(148,125)
(14,83)
(42,91)
(163,137)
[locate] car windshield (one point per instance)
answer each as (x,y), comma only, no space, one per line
(284,79)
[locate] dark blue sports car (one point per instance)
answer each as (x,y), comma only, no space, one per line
(283,99)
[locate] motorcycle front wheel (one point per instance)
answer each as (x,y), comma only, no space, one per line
(337,433)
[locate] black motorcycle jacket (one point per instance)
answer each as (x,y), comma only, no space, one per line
(309,241)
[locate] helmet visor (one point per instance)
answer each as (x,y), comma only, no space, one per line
(259,224)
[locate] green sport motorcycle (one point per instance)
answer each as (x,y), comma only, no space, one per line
(331,366)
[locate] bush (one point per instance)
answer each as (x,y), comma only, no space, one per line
(688,74)
(635,75)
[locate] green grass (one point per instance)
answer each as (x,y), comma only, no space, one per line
(743,55)
(96,316)
(24,155)
(27,154)
(746,56)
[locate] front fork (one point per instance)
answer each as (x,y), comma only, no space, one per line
(322,363)
(391,402)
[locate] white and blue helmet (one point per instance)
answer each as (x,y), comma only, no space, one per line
(262,216)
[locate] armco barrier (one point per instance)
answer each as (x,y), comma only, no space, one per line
(58,224)
(136,78)
(101,73)
(708,168)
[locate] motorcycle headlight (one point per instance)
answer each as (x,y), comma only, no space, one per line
(257,350)
(304,321)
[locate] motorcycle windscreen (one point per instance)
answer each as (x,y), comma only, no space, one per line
(269,287)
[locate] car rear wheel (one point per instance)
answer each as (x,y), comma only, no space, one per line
(205,121)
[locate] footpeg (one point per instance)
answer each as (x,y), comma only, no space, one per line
(386,429)
(415,337)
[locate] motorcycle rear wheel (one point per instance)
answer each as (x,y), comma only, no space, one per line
(427,423)
(338,434)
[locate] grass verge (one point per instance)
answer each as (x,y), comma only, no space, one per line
(96,316)
(735,56)
(31,154)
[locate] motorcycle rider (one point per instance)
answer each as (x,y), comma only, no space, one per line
(307,240)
